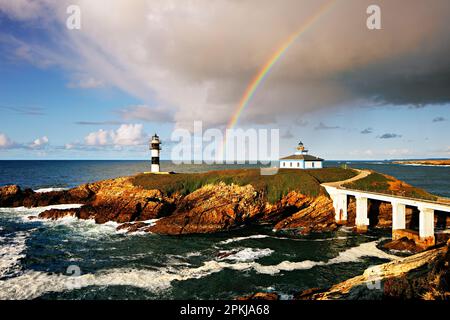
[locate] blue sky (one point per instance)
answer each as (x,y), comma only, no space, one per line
(99,92)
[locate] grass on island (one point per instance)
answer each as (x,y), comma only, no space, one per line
(274,187)
(376,182)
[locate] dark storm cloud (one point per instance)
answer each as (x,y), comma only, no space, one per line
(367,131)
(323,126)
(439,119)
(287,135)
(390,136)
(98,123)
(197,58)
(30,111)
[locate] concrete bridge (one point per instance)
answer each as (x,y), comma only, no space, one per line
(425,237)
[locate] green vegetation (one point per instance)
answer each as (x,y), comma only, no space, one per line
(376,182)
(332,174)
(274,186)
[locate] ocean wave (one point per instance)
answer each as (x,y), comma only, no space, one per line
(24,211)
(263,236)
(368,249)
(32,284)
(45,190)
(86,228)
(12,248)
(247,254)
(236,239)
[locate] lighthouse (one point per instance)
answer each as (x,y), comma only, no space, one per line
(155,147)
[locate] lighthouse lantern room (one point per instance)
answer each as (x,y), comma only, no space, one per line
(155,147)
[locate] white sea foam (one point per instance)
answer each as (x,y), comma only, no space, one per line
(263,236)
(256,236)
(24,211)
(368,249)
(84,227)
(12,249)
(354,254)
(248,254)
(45,190)
(325,239)
(32,284)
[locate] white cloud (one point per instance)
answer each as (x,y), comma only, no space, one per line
(98,138)
(5,141)
(125,135)
(128,135)
(39,143)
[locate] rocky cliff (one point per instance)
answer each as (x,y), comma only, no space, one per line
(210,208)
(203,203)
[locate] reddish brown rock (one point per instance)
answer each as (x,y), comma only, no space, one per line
(260,296)
(284,208)
(317,216)
(13,196)
(403,244)
(308,294)
(132,227)
(54,214)
(114,200)
(8,192)
(212,208)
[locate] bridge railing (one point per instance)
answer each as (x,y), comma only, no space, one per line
(396,196)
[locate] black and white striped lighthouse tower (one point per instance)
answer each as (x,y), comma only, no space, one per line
(155,147)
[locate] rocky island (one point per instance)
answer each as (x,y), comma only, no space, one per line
(196,202)
(440,162)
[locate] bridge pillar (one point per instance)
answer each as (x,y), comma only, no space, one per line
(340,206)
(362,220)
(426,226)
(398,216)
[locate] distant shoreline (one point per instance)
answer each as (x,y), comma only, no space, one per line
(431,163)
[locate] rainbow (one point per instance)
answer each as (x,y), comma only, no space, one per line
(264,71)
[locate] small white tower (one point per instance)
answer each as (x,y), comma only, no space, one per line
(155,147)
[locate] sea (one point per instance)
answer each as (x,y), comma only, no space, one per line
(78,259)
